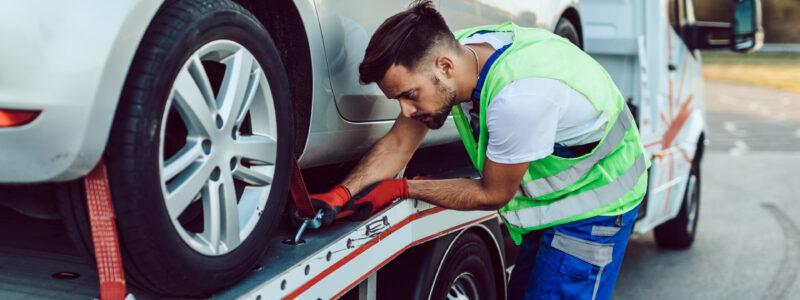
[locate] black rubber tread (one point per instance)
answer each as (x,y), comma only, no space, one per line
(673,234)
(567,30)
(75,216)
(72,207)
(468,254)
(159,260)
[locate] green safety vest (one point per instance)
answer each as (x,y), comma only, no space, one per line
(608,181)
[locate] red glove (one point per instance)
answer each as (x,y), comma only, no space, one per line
(331,203)
(376,197)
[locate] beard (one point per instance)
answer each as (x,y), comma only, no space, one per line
(436,119)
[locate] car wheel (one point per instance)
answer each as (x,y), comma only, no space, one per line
(466,272)
(200,150)
(567,30)
(679,233)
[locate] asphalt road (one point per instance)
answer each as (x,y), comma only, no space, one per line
(748,242)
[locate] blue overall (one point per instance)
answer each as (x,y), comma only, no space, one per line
(578,260)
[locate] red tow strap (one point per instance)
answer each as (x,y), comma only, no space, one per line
(300,193)
(104,234)
(104,231)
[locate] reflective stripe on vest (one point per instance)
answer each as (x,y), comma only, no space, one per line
(580,203)
(565,178)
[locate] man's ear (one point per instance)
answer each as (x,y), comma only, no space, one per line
(445,65)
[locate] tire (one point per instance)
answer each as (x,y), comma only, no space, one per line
(679,232)
(466,271)
(567,30)
(165,146)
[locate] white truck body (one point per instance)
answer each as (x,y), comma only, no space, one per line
(659,76)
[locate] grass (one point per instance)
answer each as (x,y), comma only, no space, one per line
(757,58)
(773,70)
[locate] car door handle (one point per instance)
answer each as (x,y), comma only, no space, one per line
(671,67)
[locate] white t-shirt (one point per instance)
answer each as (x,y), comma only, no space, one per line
(528,116)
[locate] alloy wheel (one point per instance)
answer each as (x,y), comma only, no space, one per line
(464,287)
(218,147)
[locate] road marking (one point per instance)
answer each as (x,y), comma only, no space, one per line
(739,148)
(731,128)
(725,99)
(786,275)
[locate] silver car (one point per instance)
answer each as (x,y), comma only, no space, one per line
(197,109)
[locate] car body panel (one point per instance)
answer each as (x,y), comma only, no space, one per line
(331,137)
(73,70)
(347,118)
(349,24)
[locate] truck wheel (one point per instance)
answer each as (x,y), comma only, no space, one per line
(567,30)
(679,232)
(466,272)
(200,149)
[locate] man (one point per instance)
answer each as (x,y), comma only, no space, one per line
(557,148)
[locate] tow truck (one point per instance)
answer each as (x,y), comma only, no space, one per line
(410,250)
(413,250)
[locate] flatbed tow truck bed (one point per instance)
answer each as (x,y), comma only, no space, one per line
(38,261)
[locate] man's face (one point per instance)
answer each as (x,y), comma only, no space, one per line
(423,96)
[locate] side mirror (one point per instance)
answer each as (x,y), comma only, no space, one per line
(743,34)
(746,31)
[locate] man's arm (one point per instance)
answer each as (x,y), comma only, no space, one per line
(388,156)
(498,185)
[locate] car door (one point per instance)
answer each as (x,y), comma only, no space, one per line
(347,26)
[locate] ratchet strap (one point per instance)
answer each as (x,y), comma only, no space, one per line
(104,234)
(300,194)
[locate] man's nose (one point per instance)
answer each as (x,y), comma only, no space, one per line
(407,108)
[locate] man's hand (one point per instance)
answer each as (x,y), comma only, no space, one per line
(387,157)
(376,197)
(331,203)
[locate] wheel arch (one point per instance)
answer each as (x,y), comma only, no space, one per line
(489,232)
(281,18)
(405,277)
(284,22)
(81,106)
(571,14)
(692,139)
(700,149)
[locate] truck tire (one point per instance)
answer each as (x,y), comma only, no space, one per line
(199,154)
(679,232)
(467,271)
(567,30)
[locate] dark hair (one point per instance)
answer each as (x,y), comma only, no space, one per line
(404,38)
